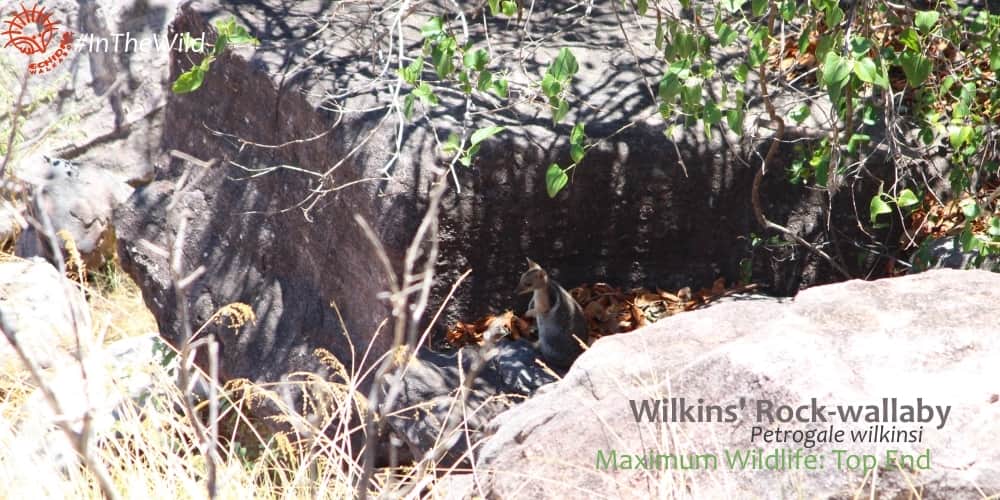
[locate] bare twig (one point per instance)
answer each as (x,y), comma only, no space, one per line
(207,438)
(406,316)
(15,121)
(80,440)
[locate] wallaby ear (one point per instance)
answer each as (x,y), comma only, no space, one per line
(532,264)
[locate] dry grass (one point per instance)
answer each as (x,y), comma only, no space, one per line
(116,301)
(151,449)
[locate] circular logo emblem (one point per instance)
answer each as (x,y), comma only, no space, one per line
(31,31)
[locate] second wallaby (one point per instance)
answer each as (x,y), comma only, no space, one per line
(560,321)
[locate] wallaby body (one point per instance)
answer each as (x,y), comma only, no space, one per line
(559,318)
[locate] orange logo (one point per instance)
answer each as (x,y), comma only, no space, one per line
(31,31)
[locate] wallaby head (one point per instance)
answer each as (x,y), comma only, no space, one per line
(535,278)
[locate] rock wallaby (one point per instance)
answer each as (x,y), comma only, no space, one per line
(558,316)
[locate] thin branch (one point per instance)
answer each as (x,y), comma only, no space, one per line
(15,121)
(772,150)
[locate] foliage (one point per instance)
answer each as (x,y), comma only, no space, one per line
(867,74)
(229,34)
(872,80)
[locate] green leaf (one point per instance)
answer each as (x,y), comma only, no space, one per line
(466,84)
(576,152)
(220,44)
(758,51)
(995,57)
(555,180)
(713,115)
(426,94)
(800,113)
(206,63)
(408,105)
(551,86)
(969,241)
(561,111)
(658,41)
(484,133)
(970,208)
(691,93)
(834,15)
(906,198)
(564,66)
(825,44)
(411,73)
(494,7)
(994,227)
(734,118)
(433,27)
(452,145)
(443,57)
(189,81)
(241,37)
(642,6)
(910,39)
(960,136)
(916,67)
(485,81)
(860,47)
(500,87)
(670,86)
(925,20)
(757,7)
(836,70)
(852,143)
(788,8)
(727,35)
(806,36)
(878,207)
(866,70)
(509,8)
(226,27)
(476,59)
(882,78)
(868,114)
(577,136)
(741,73)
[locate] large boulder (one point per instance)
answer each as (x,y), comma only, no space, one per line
(77,199)
(929,339)
(43,310)
(272,220)
(438,403)
(121,378)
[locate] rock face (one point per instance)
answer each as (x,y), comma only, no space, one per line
(78,199)
(932,336)
(128,381)
(106,99)
(634,214)
(43,309)
(947,253)
(101,107)
(425,414)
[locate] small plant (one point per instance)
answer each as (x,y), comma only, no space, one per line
(880,204)
(229,34)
